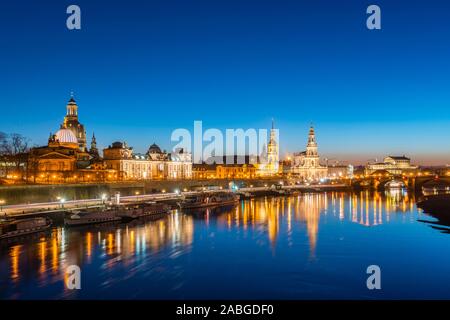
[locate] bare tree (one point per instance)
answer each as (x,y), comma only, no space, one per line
(14,152)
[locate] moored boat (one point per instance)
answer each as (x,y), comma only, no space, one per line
(92,216)
(209,199)
(143,210)
(15,228)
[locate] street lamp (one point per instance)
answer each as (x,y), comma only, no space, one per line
(62,200)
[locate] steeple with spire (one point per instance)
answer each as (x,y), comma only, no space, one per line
(272,151)
(93,150)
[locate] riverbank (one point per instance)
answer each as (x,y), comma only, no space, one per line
(42,208)
(27,194)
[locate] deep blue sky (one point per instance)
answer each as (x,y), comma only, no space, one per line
(140,69)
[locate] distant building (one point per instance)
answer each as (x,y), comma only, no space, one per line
(306,165)
(395,165)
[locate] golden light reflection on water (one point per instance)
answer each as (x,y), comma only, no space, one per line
(14,255)
(365,208)
(268,216)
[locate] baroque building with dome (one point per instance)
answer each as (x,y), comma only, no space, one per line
(67,159)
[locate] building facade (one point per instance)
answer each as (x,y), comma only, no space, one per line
(179,164)
(306,165)
(395,165)
(155,164)
(337,171)
(202,171)
(236,171)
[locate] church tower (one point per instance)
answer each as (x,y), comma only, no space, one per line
(71,122)
(93,151)
(311,147)
(312,156)
(272,152)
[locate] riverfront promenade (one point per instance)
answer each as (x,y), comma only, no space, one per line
(31,209)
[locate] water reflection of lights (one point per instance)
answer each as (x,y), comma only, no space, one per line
(42,255)
(54,255)
(88,244)
(268,216)
(364,208)
(14,255)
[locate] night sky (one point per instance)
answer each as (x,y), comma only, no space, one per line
(140,69)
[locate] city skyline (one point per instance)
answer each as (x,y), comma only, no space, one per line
(353,158)
(159,67)
(224,158)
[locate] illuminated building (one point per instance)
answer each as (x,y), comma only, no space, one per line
(155,164)
(395,165)
(337,171)
(66,158)
(306,165)
(204,171)
(120,158)
(227,167)
(179,165)
(65,153)
(240,171)
(269,163)
(71,123)
(61,154)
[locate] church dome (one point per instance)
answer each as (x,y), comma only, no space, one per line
(119,145)
(154,148)
(66,136)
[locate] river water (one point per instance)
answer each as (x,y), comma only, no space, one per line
(310,246)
